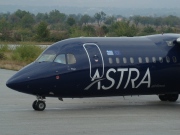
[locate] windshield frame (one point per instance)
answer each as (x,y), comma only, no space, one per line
(49,54)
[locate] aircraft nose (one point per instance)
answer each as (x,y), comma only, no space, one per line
(17,83)
(11,83)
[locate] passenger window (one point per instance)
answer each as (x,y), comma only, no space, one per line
(140,60)
(167,59)
(71,59)
(132,60)
(60,59)
(174,59)
(124,60)
(110,60)
(160,59)
(154,59)
(147,60)
(117,60)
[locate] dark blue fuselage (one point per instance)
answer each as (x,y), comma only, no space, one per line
(93,67)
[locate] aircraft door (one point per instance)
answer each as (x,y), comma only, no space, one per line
(96,61)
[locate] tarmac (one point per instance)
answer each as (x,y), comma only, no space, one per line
(143,115)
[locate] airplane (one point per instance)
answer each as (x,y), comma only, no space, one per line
(103,66)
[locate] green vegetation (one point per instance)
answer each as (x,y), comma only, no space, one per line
(3,49)
(26,53)
(44,28)
(23,26)
(16,58)
(42,32)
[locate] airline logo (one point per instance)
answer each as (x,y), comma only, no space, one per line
(130,81)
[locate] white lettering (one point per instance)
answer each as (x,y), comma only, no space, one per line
(110,79)
(98,80)
(96,75)
(129,77)
(147,75)
(89,86)
(122,70)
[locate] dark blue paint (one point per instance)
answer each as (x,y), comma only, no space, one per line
(39,78)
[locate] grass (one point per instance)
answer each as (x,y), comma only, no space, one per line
(18,57)
(12,65)
(25,43)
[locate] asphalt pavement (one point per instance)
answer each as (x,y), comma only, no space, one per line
(144,115)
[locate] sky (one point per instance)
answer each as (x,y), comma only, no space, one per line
(97,3)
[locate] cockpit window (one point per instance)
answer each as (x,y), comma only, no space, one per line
(48,55)
(60,59)
(170,43)
(71,59)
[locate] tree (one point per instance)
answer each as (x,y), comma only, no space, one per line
(89,30)
(76,31)
(20,13)
(171,20)
(85,19)
(41,17)
(149,30)
(124,28)
(75,17)
(23,34)
(14,19)
(105,29)
(169,30)
(99,17)
(4,29)
(71,21)
(145,20)
(56,17)
(42,32)
(23,19)
(109,20)
(158,21)
(27,21)
(136,19)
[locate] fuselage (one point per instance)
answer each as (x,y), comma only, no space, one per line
(94,67)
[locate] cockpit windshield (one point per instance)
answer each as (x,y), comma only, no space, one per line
(48,55)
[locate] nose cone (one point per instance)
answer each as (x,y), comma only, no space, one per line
(32,79)
(19,80)
(12,83)
(15,83)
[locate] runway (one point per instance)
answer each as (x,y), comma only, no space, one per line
(144,115)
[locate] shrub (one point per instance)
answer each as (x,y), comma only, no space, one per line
(2,56)
(26,53)
(4,48)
